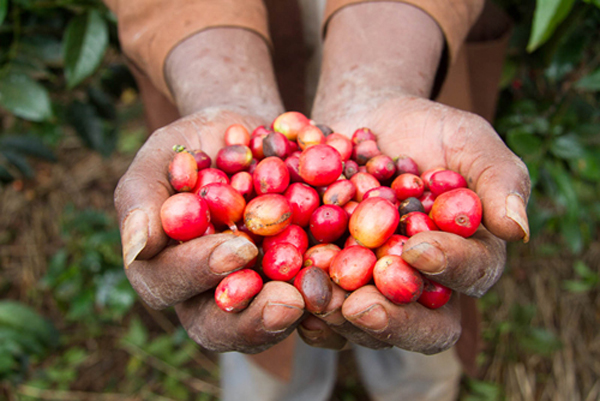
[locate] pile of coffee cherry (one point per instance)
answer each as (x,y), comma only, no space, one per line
(321,207)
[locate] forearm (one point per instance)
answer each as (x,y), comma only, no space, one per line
(223,68)
(374,50)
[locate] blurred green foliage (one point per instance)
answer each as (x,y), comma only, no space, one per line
(549,114)
(58,69)
(86,276)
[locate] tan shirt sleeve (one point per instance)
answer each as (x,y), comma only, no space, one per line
(455,17)
(150,29)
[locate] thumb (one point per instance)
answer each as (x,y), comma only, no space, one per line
(496,174)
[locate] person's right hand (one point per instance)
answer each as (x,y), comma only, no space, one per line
(165,273)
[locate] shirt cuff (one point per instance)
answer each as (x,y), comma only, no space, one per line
(150,29)
(454,17)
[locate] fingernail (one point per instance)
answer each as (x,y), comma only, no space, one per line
(517,212)
(373,318)
(425,257)
(232,255)
(134,235)
(311,335)
(278,317)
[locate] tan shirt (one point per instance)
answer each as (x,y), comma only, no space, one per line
(150,29)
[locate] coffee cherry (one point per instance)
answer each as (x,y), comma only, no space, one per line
(292,234)
(381,167)
(303,200)
(316,288)
(434,295)
(339,193)
(290,124)
(350,168)
(342,144)
(393,246)
(321,256)
(457,211)
(268,214)
(209,176)
(310,136)
(226,205)
(405,164)
(363,183)
(237,134)
(282,262)
(234,292)
(373,222)
(320,165)
(416,222)
(202,159)
(397,280)
(328,223)
(275,144)
(234,158)
(407,186)
(444,181)
(352,267)
(363,134)
(184,216)
(271,176)
(183,172)
(242,182)
(410,205)
(386,193)
(365,151)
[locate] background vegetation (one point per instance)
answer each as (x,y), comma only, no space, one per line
(71,327)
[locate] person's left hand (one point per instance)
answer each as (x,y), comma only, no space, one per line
(433,135)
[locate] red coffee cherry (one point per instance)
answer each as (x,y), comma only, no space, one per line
(184,216)
(350,168)
(321,256)
(426,175)
(415,222)
(342,144)
(226,205)
(234,158)
(458,211)
(290,124)
(292,234)
(434,294)
(209,176)
(353,267)
(363,134)
(339,193)
(271,176)
(364,151)
(392,246)
(444,181)
(310,136)
(328,223)
(381,167)
(397,280)
(373,222)
(320,165)
(304,200)
(268,214)
(427,200)
(202,159)
(183,172)
(242,182)
(407,186)
(237,134)
(234,292)
(275,144)
(405,164)
(282,262)
(363,183)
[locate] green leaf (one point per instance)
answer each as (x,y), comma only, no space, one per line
(5,175)
(137,334)
(577,286)
(21,317)
(27,145)
(548,15)
(3,10)
(85,42)
(570,230)
(594,2)
(522,143)
(25,97)
(590,82)
(567,147)
(19,161)
(90,127)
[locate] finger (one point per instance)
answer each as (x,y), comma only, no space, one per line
(412,327)
(270,317)
(499,177)
(144,188)
(332,315)
(185,270)
(315,332)
(470,266)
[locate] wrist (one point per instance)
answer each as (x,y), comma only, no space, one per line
(223,68)
(374,51)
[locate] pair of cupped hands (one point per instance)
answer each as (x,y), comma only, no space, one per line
(184,275)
